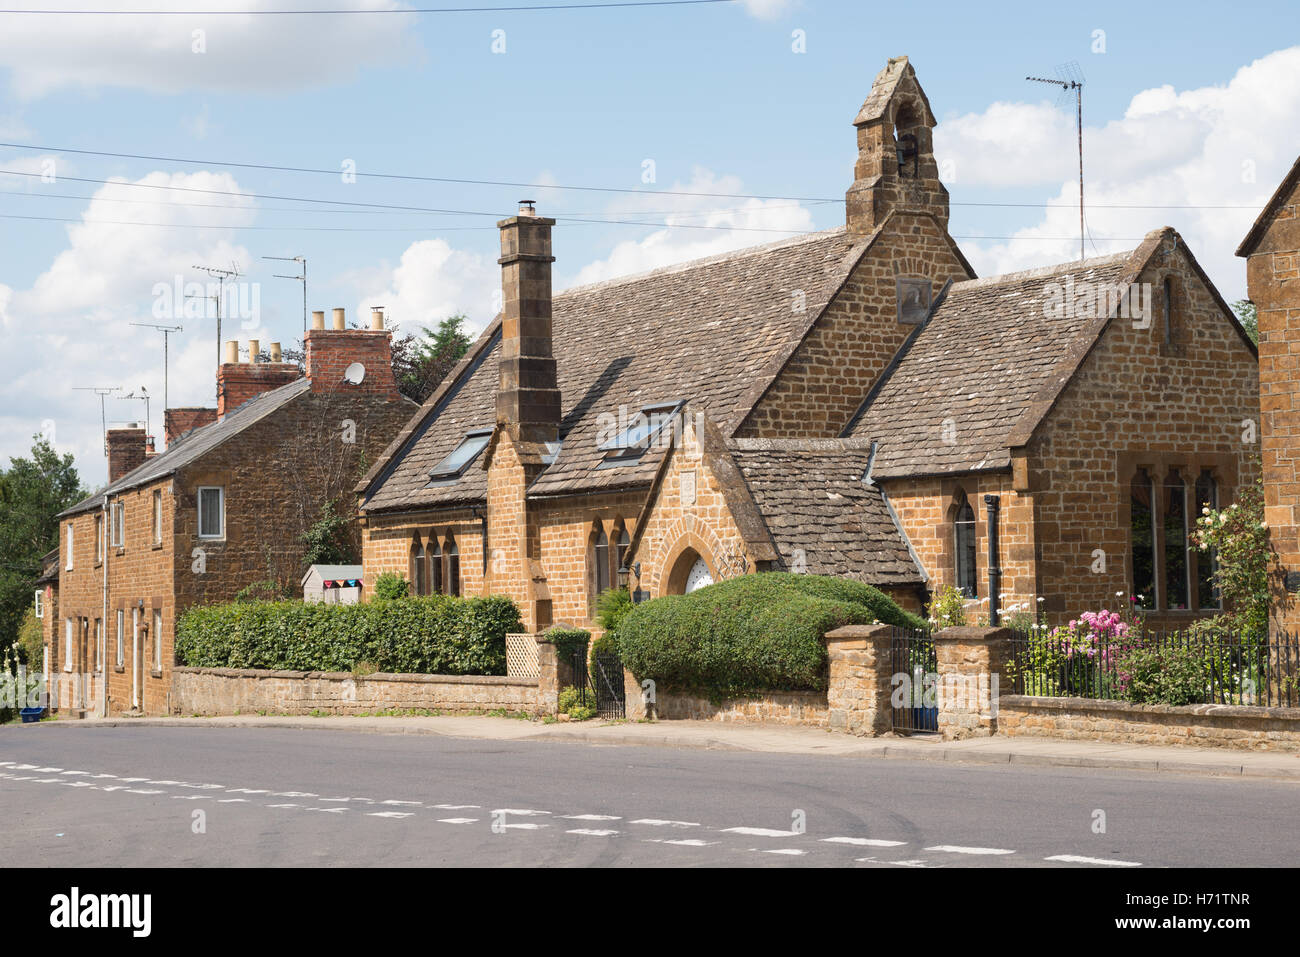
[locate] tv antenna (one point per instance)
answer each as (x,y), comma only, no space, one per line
(302,261)
(103,392)
(223,276)
(166,331)
(144,394)
(1070,77)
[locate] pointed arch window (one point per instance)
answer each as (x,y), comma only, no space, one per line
(418,565)
(963,527)
(453,566)
(622,542)
(1174,518)
(1142,538)
(435,567)
(600,560)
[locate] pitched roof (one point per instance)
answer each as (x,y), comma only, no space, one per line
(703,331)
(990,355)
(197,443)
(820,512)
(1265,217)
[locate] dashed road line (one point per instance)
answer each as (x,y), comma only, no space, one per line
(1076,859)
(759,832)
(862,841)
(979,851)
(657,822)
(592,831)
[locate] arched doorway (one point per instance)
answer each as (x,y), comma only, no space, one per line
(689,572)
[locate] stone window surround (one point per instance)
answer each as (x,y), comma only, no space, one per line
(426,539)
(1172,342)
(613,527)
(1223,467)
(198,509)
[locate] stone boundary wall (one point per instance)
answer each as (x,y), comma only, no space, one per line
(1123,722)
(806,708)
(221,691)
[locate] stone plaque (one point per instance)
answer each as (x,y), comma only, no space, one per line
(688,487)
(913,300)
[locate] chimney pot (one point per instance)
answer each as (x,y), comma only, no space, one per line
(377,317)
(275,352)
(528,207)
(232,350)
(340,318)
(254,349)
(318,319)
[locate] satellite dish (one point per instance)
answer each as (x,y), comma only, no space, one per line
(354,373)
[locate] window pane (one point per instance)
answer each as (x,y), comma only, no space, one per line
(600,556)
(1142,540)
(964,531)
(453,569)
(157,640)
(461,456)
(1175,522)
(1207,496)
(210,512)
(435,568)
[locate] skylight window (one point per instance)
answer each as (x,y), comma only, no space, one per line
(455,464)
(631,443)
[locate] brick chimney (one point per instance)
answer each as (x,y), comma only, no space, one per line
(237,382)
(127,449)
(331,351)
(528,394)
(176,422)
(896,167)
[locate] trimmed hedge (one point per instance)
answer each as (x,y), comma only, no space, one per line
(749,634)
(437,634)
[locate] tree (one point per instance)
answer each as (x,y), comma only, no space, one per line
(32,492)
(421,363)
(1248,317)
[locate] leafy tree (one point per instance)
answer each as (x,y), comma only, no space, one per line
(421,363)
(331,540)
(32,492)
(1238,536)
(1248,317)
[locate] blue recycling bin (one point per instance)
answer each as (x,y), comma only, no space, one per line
(30,715)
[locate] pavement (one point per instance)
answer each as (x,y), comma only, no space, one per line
(753,738)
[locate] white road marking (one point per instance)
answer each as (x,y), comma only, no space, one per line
(141,791)
(457,820)
(407,803)
(76,772)
(591,817)
(292,794)
(957,849)
(388,814)
(1076,859)
(457,807)
(77,784)
(686,842)
(49,770)
(656,822)
(245,790)
(525,827)
(862,842)
(791,851)
(758,832)
(166,784)
(191,797)
(329,810)
(284,805)
(232,800)
(592,831)
(521,812)
(899,863)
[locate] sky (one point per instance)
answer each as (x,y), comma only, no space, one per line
(654,134)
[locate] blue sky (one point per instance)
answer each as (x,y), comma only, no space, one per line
(1198,110)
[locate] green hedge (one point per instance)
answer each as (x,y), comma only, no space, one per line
(430,635)
(749,634)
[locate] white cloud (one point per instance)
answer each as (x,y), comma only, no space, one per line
(1215,146)
(433,281)
(47,53)
(71,327)
(731,224)
(768,9)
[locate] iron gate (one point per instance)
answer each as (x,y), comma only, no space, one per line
(914,666)
(601,684)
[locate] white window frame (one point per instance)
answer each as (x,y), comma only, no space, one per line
(121,627)
(157,516)
(117,515)
(40,603)
(99,645)
(221,511)
(69,630)
(67,566)
(156,629)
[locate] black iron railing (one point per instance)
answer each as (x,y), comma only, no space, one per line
(913,666)
(1174,667)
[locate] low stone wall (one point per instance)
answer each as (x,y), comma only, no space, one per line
(214,691)
(806,708)
(1201,725)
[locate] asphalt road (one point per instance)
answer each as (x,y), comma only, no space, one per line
(214,797)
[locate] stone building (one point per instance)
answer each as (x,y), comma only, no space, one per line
(220,509)
(1272,252)
(851,402)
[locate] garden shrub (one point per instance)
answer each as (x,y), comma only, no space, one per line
(390,586)
(568,641)
(1164,675)
(753,633)
(947,607)
(612,606)
(437,634)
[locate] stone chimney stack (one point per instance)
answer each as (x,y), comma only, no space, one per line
(238,382)
(896,169)
(127,449)
(528,394)
(331,352)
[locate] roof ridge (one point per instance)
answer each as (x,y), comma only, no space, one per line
(703,261)
(1043,271)
(828,443)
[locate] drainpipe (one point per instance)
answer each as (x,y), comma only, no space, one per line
(995,570)
(102,653)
